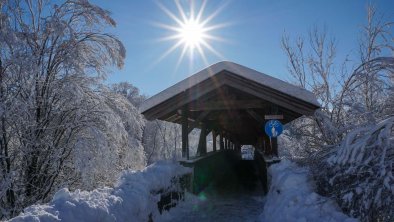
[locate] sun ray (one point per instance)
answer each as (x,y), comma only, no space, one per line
(204,58)
(170,14)
(211,49)
(183,53)
(192,9)
(191,32)
(216,38)
(217,26)
(213,15)
(180,10)
(201,11)
(169,38)
(169,51)
(168,27)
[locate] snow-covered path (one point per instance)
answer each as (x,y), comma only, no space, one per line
(291,197)
(236,207)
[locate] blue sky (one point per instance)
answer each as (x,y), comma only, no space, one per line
(253,35)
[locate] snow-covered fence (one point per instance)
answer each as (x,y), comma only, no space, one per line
(137,196)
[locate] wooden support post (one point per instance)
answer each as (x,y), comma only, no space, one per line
(237,146)
(274,146)
(214,140)
(202,143)
(221,141)
(185,134)
(198,120)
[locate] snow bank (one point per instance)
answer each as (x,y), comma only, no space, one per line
(132,199)
(291,197)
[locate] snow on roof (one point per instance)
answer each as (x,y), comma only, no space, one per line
(234,68)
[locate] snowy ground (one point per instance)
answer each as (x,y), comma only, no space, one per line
(290,198)
(229,208)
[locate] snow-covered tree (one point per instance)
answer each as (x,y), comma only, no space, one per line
(58,125)
(162,140)
(129,91)
(349,141)
(348,98)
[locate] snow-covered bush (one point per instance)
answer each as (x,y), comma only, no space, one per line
(359,172)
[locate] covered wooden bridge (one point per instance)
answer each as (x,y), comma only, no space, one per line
(231,101)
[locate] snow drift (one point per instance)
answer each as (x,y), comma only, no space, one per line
(291,197)
(134,198)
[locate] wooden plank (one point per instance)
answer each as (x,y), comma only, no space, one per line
(198,120)
(273,117)
(221,141)
(269,94)
(174,118)
(202,142)
(255,116)
(191,94)
(214,140)
(185,134)
(227,105)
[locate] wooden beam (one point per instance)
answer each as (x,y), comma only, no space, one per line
(269,94)
(277,116)
(187,96)
(198,120)
(202,143)
(227,105)
(221,145)
(255,116)
(214,140)
(185,133)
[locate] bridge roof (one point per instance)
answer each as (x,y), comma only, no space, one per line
(225,93)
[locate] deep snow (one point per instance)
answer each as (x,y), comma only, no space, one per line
(130,200)
(291,197)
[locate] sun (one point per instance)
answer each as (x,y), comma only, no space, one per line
(191,31)
(192,34)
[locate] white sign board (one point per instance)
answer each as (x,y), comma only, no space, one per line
(273,117)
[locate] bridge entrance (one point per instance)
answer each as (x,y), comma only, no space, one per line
(233,102)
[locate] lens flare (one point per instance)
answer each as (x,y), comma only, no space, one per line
(191,32)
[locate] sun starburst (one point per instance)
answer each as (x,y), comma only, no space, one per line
(191,32)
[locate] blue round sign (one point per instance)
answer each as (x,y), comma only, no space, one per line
(273,128)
